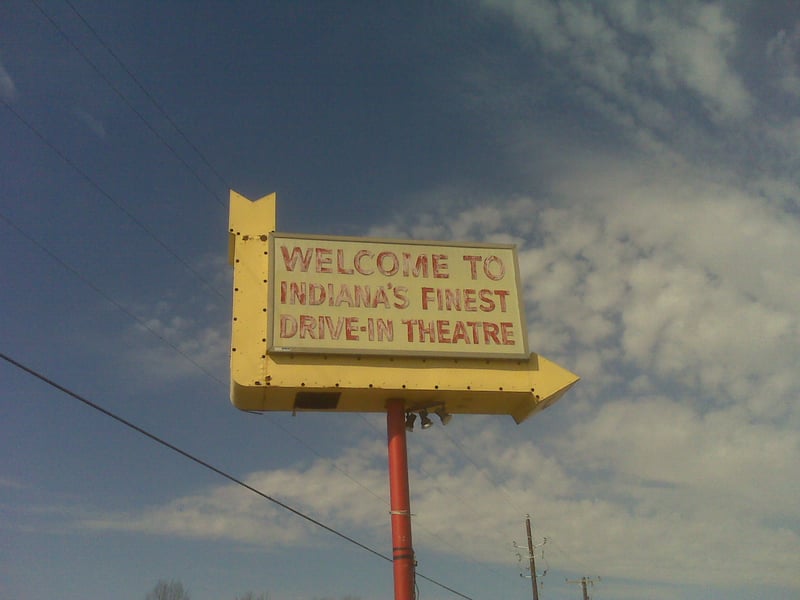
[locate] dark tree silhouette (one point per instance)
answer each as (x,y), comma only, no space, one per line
(168,590)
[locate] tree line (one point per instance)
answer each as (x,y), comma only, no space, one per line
(174,590)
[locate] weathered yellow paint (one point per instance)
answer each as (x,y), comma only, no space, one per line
(349,383)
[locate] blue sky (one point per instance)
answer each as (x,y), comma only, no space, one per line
(642,155)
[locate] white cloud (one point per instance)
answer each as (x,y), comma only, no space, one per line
(692,49)
(674,299)
(321,490)
(661,485)
(176,337)
(659,270)
(695,484)
(703,461)
(8,90)
(692,274)
(628,53)
(783,50)
(11,484)
(171,346)
(675,296)
(94,124)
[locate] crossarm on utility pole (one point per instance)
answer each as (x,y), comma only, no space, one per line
(584,581)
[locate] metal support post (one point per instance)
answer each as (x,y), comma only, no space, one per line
(402,549)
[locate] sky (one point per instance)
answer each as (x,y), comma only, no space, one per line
(643,157)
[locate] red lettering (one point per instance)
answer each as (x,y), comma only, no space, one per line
(351,329)
(443,331)
(426,330)
(336,332)
(469,300)
(507,333)
(316,294)
(394,263)
(460,332)
(308,327)
(498,272)
(427,294)
(490,331)
(502,294)
(288,326)
(381,298)
(487,304)
(401,296)
(340,268)
(473,265)
(362,295)
(290,262)
(420,267)
(452,299)
(293,292)
(324,260)
(344,296)
(385,329)
(464,299)
(409,323)
(357,262)
(439,266)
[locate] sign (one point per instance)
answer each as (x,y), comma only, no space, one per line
(366,321)
(370,296)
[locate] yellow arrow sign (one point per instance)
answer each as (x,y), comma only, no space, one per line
(361,378)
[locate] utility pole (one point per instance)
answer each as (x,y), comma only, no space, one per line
(531,558)
(583,581)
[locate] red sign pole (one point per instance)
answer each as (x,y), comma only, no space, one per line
(402,549)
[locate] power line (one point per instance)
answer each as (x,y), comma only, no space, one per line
(119,306)
(145,91)
(127,102)
(43,138)
(566,554)
(152,129)
(127,213)
(142,323)
(461,499)
(163,245)
(75,272)
(210,467)
(184,453)
(485,473)
(141,225)
(72,270)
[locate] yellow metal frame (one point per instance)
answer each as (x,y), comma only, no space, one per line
(294,382)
